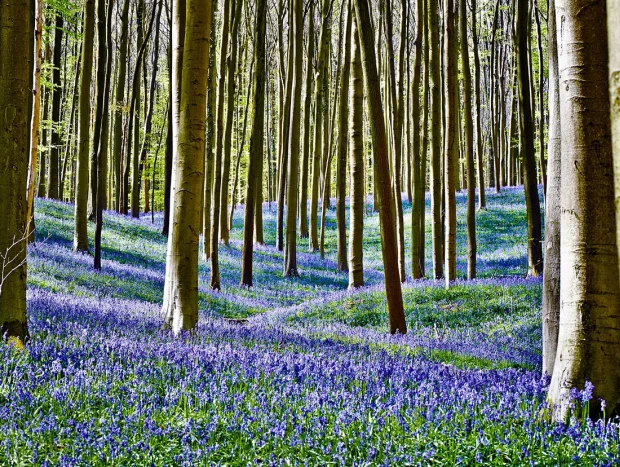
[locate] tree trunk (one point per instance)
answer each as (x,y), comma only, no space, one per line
(256,143)
(417,207)
(181,288)
(468,130)
(551,267)
(80,237)
(535,260)
(14,151)
(450,138)
(36,115)
(341,171)
(209,144)
(386,193)
(303,195)
(104,73)
(478,110)
(121,77)
(290,256)
(589,336)
(52,177)
(217,162)
(356,163)
(435,137)
(230,107)
(319,100)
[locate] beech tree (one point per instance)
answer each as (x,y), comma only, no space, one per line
(15,74)
(181,287)
(80,236)
(589,334)
(389,248)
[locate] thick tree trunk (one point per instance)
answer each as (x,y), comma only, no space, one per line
(181,288)
(589,337)
(535,260)
(551,268)
(15,75)
(256,143)
(386,193)
(356,163)
(80,237)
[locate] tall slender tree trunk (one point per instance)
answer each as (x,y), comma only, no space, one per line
(290,256)
(478,109)
(36,115)
(535,260)
(256,143)
(209,143)
(104,71)
(450,138)
(386,192)
(436,184)
(551,268)
(356,163)
(15,75)
(303,194)
(181,288)
(80,236)
(319,101)
(121,77)
(341,171)
(589,336)
(417,207)
(217,162)
(230,107)
(52,176)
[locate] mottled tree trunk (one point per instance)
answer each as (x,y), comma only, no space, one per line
(14,150)
(589,336)
(181,288)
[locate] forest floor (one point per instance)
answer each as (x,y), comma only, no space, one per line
(312,378)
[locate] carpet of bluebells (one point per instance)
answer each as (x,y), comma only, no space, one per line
(312,377)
